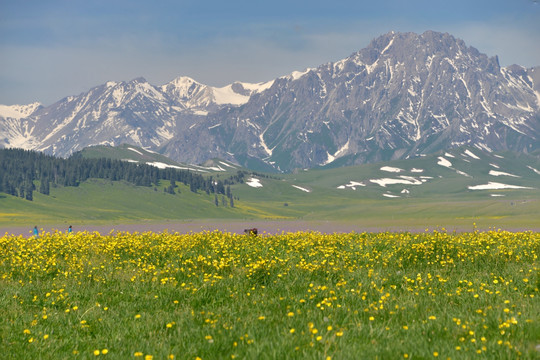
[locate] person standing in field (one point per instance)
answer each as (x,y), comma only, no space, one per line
(36,231)
(70,229)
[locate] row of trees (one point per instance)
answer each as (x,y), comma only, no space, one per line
(20,170)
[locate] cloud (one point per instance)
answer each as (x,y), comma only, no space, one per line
(513,45)
(255,54)
(77,50)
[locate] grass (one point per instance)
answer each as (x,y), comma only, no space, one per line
(299,295)
(443,200)
(104,202)
(98,201)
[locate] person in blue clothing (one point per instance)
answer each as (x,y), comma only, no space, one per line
(70,229)
(36,231)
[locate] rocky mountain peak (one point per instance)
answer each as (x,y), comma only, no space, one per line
(189,92)
(402,96)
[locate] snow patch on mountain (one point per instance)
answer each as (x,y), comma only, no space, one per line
(463,173)
(330,158)
(471,154)
(161,165)
(226,95)
(537,93)
(264,146)
(258,87)
(501,173)
(496,186)
(215,168)
(301,188)
(228,165)
(351,184)
(18,111)
(387,46)
(407,180)
(135,150)
(197,96)
(342,150)
(295,75)
(391,169)
(444,162)
(254,182)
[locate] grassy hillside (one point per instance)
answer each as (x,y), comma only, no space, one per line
(453,189)
(124,152)
(433,190)
(103,201)
(136,154)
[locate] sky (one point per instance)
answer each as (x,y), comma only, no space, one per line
(57,48)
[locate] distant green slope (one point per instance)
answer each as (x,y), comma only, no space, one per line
(432,190)
(435,190)
(97,201)
(136,154)
(453,173)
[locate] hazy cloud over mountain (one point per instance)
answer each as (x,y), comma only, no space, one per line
(50,49)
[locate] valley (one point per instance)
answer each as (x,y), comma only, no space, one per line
(454,189)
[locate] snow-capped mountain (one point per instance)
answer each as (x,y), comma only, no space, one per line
(14,131)
(201,98)
(133,112)
(402,96)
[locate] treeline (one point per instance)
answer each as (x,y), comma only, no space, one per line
(20,170)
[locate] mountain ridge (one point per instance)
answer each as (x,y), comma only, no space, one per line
(402,96)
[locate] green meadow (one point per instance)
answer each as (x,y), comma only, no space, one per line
(103,202)
(393,291)
(299,295)
(411,194)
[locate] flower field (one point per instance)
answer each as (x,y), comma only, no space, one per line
(215,295)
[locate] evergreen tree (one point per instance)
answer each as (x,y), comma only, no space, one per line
(44,186)
(146,180)
(220,189)
(20,168)
(170,189)
(29,191)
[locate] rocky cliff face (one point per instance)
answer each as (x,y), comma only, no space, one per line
(404,95)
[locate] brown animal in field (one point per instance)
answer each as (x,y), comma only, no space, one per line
(251,232)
